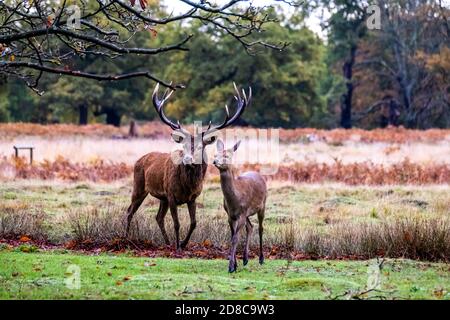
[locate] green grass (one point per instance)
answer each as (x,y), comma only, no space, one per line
(43,275)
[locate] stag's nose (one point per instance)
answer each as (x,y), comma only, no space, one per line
(187,159)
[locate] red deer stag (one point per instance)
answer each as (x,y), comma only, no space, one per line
(176,178)
(244,196)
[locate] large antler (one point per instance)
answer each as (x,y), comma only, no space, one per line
(159,104)
(242,103)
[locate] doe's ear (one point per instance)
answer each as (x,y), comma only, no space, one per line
(178,137)
(236,146)
(220,146)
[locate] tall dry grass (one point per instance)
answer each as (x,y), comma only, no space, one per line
(412,237)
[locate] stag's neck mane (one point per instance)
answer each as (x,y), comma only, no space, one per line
(192,175)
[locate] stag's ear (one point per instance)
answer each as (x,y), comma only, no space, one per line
(236,146)
(178,137)
(220,146)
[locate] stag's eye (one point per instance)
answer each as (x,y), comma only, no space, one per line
(177,137)
(208,139)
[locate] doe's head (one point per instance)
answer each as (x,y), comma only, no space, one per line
(223,157)
(194,144)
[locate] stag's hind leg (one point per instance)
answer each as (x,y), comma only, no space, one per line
(136,200)
(137,196)
(249,230)
(162,211)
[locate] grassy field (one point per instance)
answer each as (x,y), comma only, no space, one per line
(46,275)
(326,220)
(49,225)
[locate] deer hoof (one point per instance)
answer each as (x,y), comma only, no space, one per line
(245,261)
(261,260)
(231,269)
(183,245)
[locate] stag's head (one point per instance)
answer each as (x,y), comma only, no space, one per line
(194,144)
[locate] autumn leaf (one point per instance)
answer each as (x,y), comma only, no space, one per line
(143,3)
(12,58)
(119,283)
(49,21)
(153,31)
(207,243)
(24,239)
(126,278)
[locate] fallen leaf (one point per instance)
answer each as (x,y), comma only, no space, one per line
(149,264)
(207,243)
(24,239)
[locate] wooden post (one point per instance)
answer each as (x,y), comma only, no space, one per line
(16,152)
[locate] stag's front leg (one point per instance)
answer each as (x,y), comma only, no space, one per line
(176,223)
(236,226)
(192,209)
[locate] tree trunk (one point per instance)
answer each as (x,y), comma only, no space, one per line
(113,117)
(346,98)
(83,114)
(133,132)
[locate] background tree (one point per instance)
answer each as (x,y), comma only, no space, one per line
(346,27)
(285,84)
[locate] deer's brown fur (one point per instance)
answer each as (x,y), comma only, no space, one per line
(173,184)
(244,196)
(176,178)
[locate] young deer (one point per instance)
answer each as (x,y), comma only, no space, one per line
(176,178)
(244,196)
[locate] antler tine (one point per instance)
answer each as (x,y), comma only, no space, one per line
(242,103)
(181,128)
(245,96)
(158,104)
(237,91)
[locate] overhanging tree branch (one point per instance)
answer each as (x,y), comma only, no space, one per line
(40,35)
